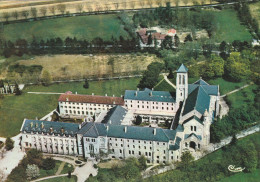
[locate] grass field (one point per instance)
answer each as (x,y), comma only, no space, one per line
(243,177)
(84,27)
(13,109)
(243,97)
(229,27)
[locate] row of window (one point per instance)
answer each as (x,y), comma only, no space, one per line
(136,141)
(145,102)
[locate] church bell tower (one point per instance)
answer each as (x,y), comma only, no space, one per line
(181,84)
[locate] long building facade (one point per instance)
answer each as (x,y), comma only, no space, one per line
(191,114)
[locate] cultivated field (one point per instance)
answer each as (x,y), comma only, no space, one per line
(84,27)
(84,66)
(73,6)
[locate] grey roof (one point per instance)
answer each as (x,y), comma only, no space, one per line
(192,134)
(149,95)
(182,69)
(198,99)
(193,117)
(115,115)
(132,132)
(201,82)
(176,146)
(58,128)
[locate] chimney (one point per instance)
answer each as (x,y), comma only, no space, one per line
(113,95)
(154,131)
(93,94)
(80,126)
(125,129)
(137,89)
(36,125)
(107,127)
(62,130)
(136,93)
(42,125)
(51,129)
(76,93)
(121,96)
(106,95)
(114,102)
(152,89)
(151,94)
(31,124)
(67,99)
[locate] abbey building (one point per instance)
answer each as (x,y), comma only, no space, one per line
(109,123)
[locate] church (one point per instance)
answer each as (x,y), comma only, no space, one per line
(109,128)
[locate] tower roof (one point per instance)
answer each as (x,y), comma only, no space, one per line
(182,69)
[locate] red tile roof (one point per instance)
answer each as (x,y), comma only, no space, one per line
(173,31)
(144,37)
(158,36)
(91,99)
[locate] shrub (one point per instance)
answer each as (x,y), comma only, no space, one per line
(48,164)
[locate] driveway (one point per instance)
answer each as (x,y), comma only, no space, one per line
(83,172)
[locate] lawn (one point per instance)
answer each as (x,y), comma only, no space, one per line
(229,27)
(243,177)
(83,27)
(61,179)
(13,109)
(243,97)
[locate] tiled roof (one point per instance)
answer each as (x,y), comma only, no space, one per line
(132,132)
(182,69)
(115,115)
(58,128)
(192,134)
(172,31)
(149,95)
(193,117)
(91,99)
(144,35)
(158,36)
(198,99)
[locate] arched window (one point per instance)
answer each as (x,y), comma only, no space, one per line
(183,79)
(179,79)
(195,128)
(191,128)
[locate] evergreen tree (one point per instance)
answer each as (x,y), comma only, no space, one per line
(17,90)
(9,144)
(86,84)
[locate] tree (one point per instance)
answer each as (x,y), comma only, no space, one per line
(86,84)
(186,159)
(176,40)
(32,171)
(150,40)
(61,8)
(188,38)
(55,116)
(80,8)
(48,163)
(9,144)
(138,120)
(69,174)
(142,162)
(17,90)
(171,75)
(52,9)
(46,78)
(15,14)
(151,75)
(6,16)
(34,12)
(25,14)
(43,11)
(167,42)
(34,157)
(233,140)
